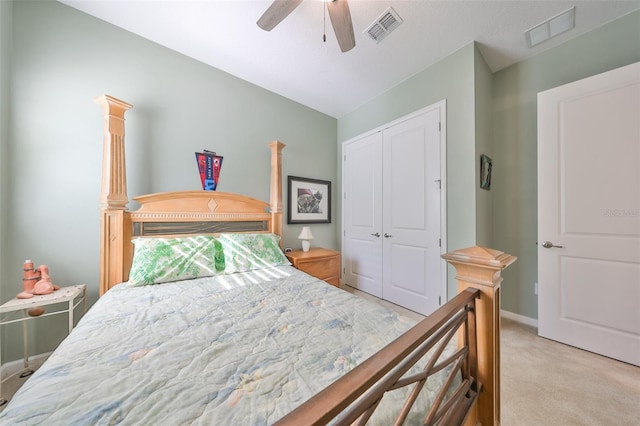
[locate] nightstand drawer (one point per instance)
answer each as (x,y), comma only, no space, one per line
(318,262)
(321,268)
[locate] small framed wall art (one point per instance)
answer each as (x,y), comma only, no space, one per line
(485,172)
(309,200)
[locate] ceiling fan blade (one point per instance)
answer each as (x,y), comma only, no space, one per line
(278,10)
(342,25)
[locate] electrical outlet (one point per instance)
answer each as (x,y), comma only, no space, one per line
(288,250)
(535,288)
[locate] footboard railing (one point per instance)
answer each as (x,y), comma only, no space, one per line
(355,396)
(474,315)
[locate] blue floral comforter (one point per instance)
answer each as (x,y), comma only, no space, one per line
(240,349)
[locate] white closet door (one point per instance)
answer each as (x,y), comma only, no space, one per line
(411,213)
(362,214)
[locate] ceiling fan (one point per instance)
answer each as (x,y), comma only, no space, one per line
(338,13)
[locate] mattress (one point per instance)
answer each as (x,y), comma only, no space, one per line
(238,349)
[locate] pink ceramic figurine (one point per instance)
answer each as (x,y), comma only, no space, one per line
(44,286)
(29,279)
(36,281)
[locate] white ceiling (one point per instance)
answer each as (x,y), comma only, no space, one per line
(293,61)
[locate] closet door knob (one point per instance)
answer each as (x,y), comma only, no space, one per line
(377,234)
(387,235)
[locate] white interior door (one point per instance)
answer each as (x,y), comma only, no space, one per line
(589,210)
(362,214)
(411,213)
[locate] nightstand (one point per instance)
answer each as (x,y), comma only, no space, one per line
(319,262)
(66,300)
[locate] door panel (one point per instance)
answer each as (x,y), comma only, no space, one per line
(589,204)
(610,309)
(362,181)
(409,266)
(607,167)
(411,213)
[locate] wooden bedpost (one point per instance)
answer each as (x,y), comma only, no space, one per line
(113,194)
(480,267)
(276,187)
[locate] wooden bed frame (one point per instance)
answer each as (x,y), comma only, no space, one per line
(473,315)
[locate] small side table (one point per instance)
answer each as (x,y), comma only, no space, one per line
(73,295)
(320,262)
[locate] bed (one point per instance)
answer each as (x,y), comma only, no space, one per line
(202,320)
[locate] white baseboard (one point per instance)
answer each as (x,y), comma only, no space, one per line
(519,318)
(10,368)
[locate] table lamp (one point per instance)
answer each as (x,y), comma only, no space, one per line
(306,236)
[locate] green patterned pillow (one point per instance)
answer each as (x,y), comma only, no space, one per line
(159,260)
(245,252)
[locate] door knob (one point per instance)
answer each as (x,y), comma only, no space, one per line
(377,234)
(387,235)
(549,244)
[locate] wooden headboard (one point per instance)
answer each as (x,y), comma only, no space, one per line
(169,213)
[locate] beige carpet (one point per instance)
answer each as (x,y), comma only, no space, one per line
(547,383)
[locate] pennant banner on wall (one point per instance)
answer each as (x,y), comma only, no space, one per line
(209,165)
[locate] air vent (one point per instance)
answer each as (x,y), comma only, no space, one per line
(551,27)
(382,27)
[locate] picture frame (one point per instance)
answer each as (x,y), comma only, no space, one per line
(485,172)
(309,200)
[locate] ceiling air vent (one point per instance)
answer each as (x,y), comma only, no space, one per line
(381,27)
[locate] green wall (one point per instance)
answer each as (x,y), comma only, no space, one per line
(483,125)
(6,12)
(515,147)
(62,59)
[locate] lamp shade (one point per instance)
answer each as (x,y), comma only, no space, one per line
(305,234)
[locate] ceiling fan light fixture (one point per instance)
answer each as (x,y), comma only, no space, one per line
(339,15)
(384,25)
